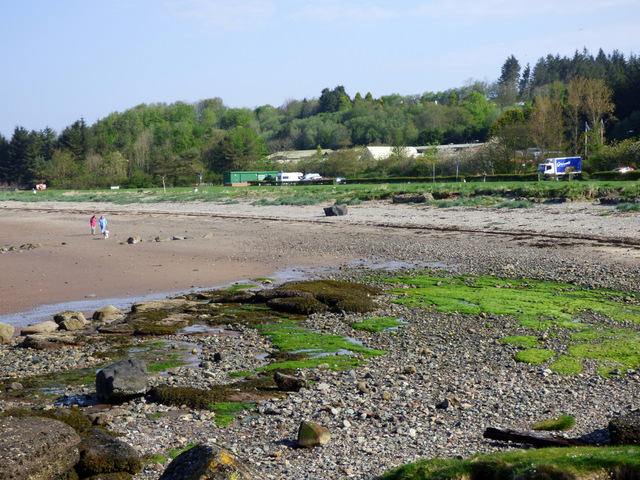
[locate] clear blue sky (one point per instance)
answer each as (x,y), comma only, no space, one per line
(66,59)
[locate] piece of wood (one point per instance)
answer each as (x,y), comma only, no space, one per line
(532,438)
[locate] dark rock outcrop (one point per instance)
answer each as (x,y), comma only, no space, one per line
(121,381)
(289,383)
(625,429)
(37,448)
(335,210)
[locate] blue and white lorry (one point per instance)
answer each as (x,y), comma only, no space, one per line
(560,166)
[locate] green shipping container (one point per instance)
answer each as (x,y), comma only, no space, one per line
(243,178)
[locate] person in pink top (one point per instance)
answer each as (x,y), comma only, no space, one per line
(93,222)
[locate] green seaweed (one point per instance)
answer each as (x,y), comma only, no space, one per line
(377,324)
(535,356)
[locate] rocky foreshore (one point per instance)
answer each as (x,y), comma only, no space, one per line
(444,379)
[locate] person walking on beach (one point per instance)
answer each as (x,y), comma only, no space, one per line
(93,222)
(103,224)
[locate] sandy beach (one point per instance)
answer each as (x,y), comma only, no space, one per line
(236,242)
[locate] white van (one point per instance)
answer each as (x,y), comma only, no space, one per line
(289,176)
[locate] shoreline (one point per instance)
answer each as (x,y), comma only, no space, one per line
(226,243)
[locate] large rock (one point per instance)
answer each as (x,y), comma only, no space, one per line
(625,429)
(335,210)
(50,341)
(107,314)
(37,448)
(103,454)
(311,434)
(208,462)
(122,381)
(70,320)
(169,303)
(6,332)
(289,383)
(45,327)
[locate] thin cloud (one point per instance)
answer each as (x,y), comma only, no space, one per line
(238,15)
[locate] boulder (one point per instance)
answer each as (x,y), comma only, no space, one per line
(37,448)
(50,341)
(625,429)
(101,454)
(289,383)
(208,462)
(335,210)
(106,314)
(169,303)
(44,327)
(311,435)
(70,320)
(122,381)
(6,332)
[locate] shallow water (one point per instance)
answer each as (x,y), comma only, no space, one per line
(90,305)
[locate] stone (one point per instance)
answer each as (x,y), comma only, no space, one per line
(625,429)
(132,240)
(101,453)
(122,381)
(335,210)
(106,313)
(37,448)
(311,435)
(50,342)
(45,327)
(70,320)
(289,383)
(15,387)
(169,303)
(6,332)
(208,462)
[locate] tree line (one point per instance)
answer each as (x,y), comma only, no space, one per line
(586,105)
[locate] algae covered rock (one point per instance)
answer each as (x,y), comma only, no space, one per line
(208,462)
(301,305)
(101,453)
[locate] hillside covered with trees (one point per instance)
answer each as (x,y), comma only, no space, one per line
(585,105)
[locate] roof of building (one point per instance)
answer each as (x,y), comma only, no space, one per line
(292,155)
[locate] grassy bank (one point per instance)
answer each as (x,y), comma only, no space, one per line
(488,193)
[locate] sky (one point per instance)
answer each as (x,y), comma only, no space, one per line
(69,59)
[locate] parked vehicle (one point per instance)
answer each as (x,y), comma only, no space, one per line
(623,169)
(312,176)
(289,176)
(560,166)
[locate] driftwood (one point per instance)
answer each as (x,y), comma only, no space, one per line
(532,438)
